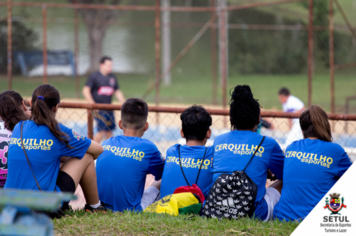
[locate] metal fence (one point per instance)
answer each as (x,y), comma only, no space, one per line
(165,124)
(215,42)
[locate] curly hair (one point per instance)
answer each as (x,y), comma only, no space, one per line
(244,109)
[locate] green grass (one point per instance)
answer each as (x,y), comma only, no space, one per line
(198,89)
(80,223)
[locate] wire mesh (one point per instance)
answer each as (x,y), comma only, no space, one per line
(164,128)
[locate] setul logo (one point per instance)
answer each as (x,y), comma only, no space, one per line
(335,205)
(335,222)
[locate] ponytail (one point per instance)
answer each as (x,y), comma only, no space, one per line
(314,123)
(11,111)
(45,98)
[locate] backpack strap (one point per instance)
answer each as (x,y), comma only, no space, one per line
(201,164)
(28,160)
(259,145)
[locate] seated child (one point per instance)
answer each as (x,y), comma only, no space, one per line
(195,129)
(127,159)
(312,167)
(233,151)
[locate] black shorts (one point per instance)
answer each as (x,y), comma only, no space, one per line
(65,183)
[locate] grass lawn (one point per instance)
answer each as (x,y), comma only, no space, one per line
(198,89)
(80,223)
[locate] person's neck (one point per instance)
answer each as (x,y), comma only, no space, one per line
(312,138)
(252,130)
(196,143)
(104,73)
(133,133)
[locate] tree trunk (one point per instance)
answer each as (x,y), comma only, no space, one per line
(96,38)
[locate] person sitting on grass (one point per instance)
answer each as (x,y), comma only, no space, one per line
(233,151)
(12,111)
(127,159)
(312,166)
(47,143)
(185,161)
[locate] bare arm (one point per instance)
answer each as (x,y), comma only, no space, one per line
(120,96)
(87,94)
(95,149)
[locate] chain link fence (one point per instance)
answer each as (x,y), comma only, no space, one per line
(165,125)
(266,41)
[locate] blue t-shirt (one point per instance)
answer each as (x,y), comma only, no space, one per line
(44,151)
(122,168)
(311,168)
(233,150)
(191,159)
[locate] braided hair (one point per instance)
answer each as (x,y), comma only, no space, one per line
(244,109)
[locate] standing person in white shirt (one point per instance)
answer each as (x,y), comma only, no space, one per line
(291,104)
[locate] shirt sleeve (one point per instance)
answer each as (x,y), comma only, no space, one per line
(156,165)
(298,104)
(91,81)
(117,86)
(343,165)
(276,161)
(79,144)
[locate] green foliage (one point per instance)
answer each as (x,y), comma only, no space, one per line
(23,38)
(283,51)
(198,90)
(321,37)
(266,51)
(81,223)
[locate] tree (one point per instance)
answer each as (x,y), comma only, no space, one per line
(23,39)
(97,22)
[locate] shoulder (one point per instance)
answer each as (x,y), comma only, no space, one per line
(294,99)
(64,128)
(111,75)
(148,143)
(173,148)
(340,150)
(222,137)
(109,141)
(270,142)
(210,150)
(94,75)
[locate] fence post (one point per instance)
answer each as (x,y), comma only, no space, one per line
(222,44)
(310,53)
(44,46)
(76,50)
(166,43)
(331,56)
(213,57)
(157,52)
(9,44)
(90,124)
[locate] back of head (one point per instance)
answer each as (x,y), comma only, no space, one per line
(11,110)
(195,122)
(244,109)
(314,123)
(45,98)
(134,113)
(284,91)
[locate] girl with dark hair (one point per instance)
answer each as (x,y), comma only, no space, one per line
(313,165)
(46,143)
(12,110)
(233,151)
